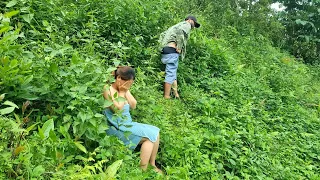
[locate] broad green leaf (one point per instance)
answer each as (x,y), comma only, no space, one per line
(232,162)
(82,116)
(49,29)
(11,3)
(4,29)
(40,133)
(28,54)
(31,127)
(52,135)
(9,103)
(98,115)
(37,171)
(102,175)
(27,80)
(81,158)
(92,168)
(47,126)
(53,67)
(120,99)
(68,159)
(102,128)
(45,23)
(299,21)
(82,128)
(307,38)
(54,52)
(75,58)
(2,96)
(112,169)
(93,122)
(110,70)
(17,118)
(64,131)
(27,17)
(116,62)
(6,110)
(11,13)
(107,103)
(80,146)
(83,89)
(28,96)
(115,95)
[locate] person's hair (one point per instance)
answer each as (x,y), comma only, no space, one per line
(125,73)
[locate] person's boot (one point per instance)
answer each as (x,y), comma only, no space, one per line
(167,89)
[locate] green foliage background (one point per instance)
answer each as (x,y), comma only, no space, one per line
(301,19)
(248,109)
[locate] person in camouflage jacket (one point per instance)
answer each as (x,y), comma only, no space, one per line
(173,43)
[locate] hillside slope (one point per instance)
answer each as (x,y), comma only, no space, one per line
(247,110)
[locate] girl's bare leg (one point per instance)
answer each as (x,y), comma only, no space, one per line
(154,154)
(146,151)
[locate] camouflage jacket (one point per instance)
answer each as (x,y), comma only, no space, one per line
(179,34)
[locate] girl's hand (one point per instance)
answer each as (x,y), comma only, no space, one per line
(125,86)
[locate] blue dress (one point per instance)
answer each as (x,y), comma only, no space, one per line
(119,125)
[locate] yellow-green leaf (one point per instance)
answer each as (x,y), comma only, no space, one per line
(107,103)
(4,29)
(47,126)
(27,17)
(80,146)
(31,127)
(2,96)
(6,110)
(9,103)
(54,67)
(11,3)
(112,169)
(40,133)
(11,13)
(18,150)
(52,135)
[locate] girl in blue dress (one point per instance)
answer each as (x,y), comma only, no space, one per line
(144,134)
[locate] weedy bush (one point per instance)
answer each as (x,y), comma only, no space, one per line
(248,111)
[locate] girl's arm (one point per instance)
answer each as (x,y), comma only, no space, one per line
(131,100)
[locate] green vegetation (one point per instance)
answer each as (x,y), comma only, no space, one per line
(248,110)
(301,19)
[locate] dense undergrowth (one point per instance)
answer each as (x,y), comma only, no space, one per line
(248,110)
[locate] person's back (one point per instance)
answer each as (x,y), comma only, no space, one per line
(173,42)
(181,29)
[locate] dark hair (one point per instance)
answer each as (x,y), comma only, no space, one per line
(125,73)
